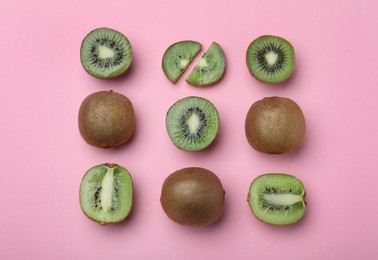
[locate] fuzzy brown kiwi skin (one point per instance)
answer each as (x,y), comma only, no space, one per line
(112,115)
(182,197)
(111,165)
(251,72)
(273,137)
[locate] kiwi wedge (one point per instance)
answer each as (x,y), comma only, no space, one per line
(178,57)
(192,123)
(193,196)
(270,59)
(275,125)
(277,199)
(106,193)
(105,53)
(210,68)
(106,119)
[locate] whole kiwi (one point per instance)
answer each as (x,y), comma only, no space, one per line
(275,125)
(193,197)
(106,119)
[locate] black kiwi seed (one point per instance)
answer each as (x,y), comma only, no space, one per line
(193,196)
(270,59)
(105,53)
(106,119)
(275,125)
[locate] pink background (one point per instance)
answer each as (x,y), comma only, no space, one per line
(43,157)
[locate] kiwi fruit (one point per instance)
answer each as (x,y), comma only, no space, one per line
(277,199)
(193,197)
(210,68)
(275,125)
(106,119)
(192,123)
(178,57)
(270,59)
(106,193)
(105,53)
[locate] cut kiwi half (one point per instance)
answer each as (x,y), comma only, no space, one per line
(270,59)
(277,199)
(105,53)
(192,123)
(178,57)
(106,193)
(210,68)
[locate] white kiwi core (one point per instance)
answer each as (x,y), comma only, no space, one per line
(282,199)
(106,194)
(271,58)
(193,123)
(105,52)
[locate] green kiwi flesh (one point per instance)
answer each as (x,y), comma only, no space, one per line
(105,53)
(106,193)
(106,119)
(277,199)
(275,125)
(178,57)
(192,123)
(271,59)
(210,68)
(193,196)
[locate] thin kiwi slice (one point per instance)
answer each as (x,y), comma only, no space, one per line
(192,123)
(270,59)
(178,57)
(106,193)
(105,53)
(210,68)
(277,199)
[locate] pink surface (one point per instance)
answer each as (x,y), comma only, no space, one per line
(44,158)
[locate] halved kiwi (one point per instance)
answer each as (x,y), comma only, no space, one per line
(192,123)
(106,119)
(270,59)
(106,193)
(277,199)
(275,125)
(193,196)
(105,53)
(178,57)
(210,68)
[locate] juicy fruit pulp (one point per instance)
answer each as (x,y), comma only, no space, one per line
(210,69)
(270,59)
(277,199)
(192,123)
(106,119)
(106,193)
(193,197)
(105,53)
(178,57)
(275,125)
